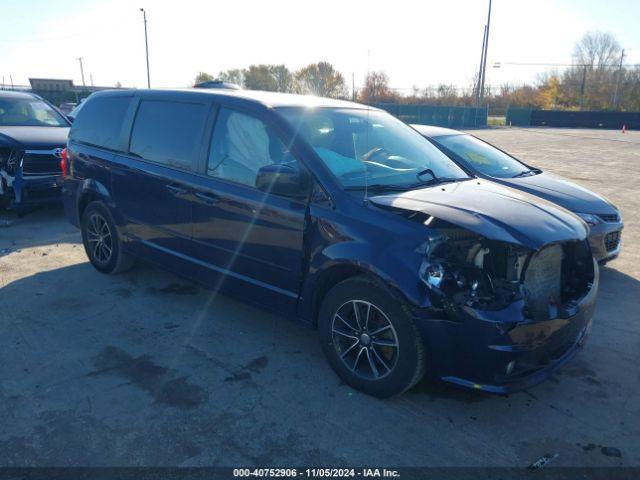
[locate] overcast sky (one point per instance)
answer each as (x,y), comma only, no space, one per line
(421,42)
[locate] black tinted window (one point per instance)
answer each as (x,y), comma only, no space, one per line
(241,145)
(168,132)
(99,122)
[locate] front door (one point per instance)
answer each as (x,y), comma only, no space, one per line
(252,240)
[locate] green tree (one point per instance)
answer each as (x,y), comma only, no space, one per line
(202,77)
(320,79)
(234,75)
(283,78)
(258,77)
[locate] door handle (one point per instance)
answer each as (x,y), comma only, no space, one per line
(176,190)
(208,198)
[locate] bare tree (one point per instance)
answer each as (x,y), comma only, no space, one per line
(376,88)
(597,50)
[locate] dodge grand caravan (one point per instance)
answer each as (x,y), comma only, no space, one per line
(343,217)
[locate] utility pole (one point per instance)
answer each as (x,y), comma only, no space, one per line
(146,45)
(477,92)
(615,92)
(353,86)
(486,48)
(582,85)
(81,71)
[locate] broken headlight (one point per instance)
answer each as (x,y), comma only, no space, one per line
(459,284)
(9,160)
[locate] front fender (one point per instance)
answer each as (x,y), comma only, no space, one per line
(396,265)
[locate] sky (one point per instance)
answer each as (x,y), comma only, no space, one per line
(417,43)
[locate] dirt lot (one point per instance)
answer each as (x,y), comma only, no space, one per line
(147,369)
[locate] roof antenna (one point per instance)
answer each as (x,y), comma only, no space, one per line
(366,181)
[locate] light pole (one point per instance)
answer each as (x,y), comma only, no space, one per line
(146,45)
(81,71)
(615,92)
(484,39)
(486,48)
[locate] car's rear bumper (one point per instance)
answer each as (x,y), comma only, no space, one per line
(502,351)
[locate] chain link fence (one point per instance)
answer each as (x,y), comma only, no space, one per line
(451,117)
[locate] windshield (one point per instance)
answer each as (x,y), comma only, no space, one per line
(29,112)
(481,156)
(369,147)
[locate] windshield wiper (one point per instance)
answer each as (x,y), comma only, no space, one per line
(377,188)
(524,173)
(438,181)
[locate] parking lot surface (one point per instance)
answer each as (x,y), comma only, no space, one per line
(146,368)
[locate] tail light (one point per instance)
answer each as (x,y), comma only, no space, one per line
(64,163)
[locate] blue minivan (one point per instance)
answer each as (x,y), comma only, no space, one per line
(343,217)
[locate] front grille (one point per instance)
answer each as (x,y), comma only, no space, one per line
(37,162)
(612,240)
(610,218)
(542,280)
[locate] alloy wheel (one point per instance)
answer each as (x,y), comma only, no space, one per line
(365,339)
(99,239)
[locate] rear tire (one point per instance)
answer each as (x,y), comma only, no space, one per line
(370,339)
(101,240)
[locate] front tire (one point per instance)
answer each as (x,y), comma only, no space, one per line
(370,339)
(101,240)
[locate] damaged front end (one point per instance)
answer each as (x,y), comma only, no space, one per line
(509,282)
(28,176)
(9,165)
(509,314)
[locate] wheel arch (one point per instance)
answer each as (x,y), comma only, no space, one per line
(90,191)
(333,275)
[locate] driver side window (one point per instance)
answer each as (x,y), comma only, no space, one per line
(241,145)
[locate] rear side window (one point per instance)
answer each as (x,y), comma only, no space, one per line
(168,132)
(99,123)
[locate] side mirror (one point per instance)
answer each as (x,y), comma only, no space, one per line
(71,119)
(284,179)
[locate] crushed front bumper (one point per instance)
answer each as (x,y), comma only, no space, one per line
(32,190)
(502,351)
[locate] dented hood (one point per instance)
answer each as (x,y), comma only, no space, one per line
(493,211)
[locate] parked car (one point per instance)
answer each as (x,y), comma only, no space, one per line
(67,107)
(486,161)
(32,136)
(73,113)
(343,217)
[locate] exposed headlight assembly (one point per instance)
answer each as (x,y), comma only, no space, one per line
(457,283)
(10,160)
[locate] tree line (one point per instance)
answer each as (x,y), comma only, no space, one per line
(597,79)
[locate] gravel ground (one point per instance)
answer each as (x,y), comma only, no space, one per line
(148,369)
